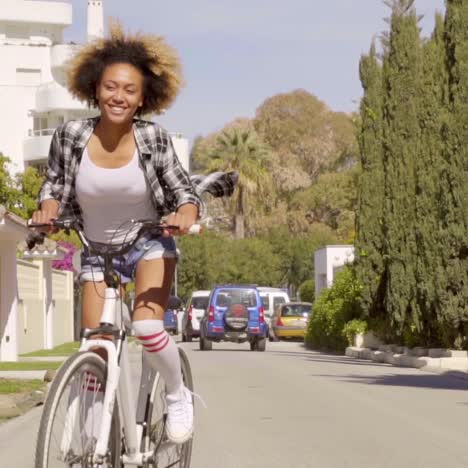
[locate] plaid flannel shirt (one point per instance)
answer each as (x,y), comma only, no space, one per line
(170,184)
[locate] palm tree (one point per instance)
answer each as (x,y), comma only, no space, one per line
(241,150)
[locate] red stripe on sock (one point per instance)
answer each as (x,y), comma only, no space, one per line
(93,389)
(156,343)
(150,337)
(160,348)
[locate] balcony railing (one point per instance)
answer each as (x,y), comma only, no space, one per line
(36,147)
(52,96)
(42,132)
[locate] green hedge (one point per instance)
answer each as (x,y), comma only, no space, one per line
(333,309)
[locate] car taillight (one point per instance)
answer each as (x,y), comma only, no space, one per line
(261,315)
(190,313)
(279,322)
(211,314)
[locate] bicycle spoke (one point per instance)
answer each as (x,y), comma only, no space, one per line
(167,454)
(73,418)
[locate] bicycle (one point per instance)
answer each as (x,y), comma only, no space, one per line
(127,433)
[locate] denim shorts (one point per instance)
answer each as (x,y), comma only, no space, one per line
(147,248)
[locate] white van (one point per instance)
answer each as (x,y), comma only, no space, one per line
(193,314)
(272,298)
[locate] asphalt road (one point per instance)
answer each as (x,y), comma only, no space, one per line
(292,408)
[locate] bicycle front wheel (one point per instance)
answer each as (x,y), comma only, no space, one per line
(70,422)
(166,453)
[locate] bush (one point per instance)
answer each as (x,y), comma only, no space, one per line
(332,310)
(307,291)
(352,328)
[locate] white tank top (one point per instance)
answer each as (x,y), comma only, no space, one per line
(109,198)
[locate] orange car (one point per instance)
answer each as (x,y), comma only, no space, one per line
(290,319)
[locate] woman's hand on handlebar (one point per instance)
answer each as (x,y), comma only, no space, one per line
(184,218)
(46,215)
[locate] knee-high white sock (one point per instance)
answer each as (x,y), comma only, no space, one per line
(161,351)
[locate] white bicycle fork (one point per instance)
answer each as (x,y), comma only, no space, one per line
(118,383)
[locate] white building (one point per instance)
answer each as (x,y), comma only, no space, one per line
(328,261)
(33,97)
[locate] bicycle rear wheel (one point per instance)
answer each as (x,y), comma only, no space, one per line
(168,454)
(71,420)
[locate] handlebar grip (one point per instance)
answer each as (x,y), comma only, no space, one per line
(35,238)
(195,229)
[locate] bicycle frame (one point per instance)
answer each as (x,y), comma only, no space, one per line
(119,384)
(118,380)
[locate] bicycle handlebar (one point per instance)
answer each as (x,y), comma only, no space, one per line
(147,225)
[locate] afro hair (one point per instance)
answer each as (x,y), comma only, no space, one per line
(157,61)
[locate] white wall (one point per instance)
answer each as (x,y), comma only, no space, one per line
(328,261)
(30,307)
(62,307)
(181,147)
(8,301)
(320,268)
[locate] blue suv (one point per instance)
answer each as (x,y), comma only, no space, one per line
(234,313)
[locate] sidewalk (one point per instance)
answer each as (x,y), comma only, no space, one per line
(15,404)
(438,361)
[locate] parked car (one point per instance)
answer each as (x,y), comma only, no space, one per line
(271,299)
(170,321)
(170,315)
(194,312)
(290,320)
(235,313)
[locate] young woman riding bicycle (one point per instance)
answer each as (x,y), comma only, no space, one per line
(115,167)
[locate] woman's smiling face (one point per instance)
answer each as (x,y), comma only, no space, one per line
(120,92)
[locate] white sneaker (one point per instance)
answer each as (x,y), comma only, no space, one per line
(179,424)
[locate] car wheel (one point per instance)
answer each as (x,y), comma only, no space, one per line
(261,344)
(253,345)
(189,338)
(205,345)
(184,339)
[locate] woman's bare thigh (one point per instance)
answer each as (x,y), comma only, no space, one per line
(153,283)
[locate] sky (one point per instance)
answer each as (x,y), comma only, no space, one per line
(237,53)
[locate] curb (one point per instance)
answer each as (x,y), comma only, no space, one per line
(11,406)
(454,366)
(23,374)
(42,358)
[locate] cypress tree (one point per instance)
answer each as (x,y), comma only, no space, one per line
(401,139)
(427,175)
(369,236)
(453,276)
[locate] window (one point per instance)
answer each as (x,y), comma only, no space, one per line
(41,166)
(40,124)
(296,310)
(199,302)
(265,301)
(277,301)
(246,297)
